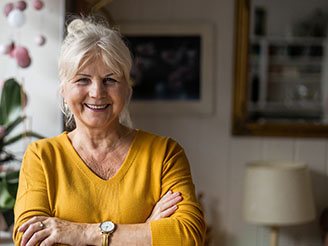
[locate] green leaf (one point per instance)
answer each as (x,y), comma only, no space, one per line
(22,135)
(13,124)
(8,190)
(8,157)
(10,101)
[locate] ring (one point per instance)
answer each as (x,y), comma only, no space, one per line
(41,225)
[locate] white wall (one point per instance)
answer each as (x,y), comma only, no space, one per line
(218,159)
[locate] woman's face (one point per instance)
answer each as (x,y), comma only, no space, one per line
(96,96)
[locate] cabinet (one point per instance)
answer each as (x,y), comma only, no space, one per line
(285,78)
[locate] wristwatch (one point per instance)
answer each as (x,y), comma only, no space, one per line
(107,228)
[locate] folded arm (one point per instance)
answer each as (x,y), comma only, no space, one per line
(184,227)
(51,230)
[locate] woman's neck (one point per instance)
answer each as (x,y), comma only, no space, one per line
(98,138)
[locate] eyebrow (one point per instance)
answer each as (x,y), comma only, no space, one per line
(88,75)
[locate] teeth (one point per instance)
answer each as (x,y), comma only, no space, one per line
(97,106)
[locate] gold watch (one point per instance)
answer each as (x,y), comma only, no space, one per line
(107,228)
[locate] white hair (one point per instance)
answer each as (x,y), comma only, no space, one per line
(86,40)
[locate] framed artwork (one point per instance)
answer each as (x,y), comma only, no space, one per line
(172,67)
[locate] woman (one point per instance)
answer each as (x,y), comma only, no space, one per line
(104,182)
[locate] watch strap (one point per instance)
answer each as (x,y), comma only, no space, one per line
(105,237)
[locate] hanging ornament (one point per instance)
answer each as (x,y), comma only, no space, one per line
(4,49)
(21,5)
(38,4)
(22,56)
(16,18)
(40,40)
(20,52)
(11,49)
(7,47)
(8,8)
(24,62)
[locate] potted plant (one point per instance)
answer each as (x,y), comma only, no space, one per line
(12,102)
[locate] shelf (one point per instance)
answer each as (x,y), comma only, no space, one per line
(309,111)
(285,76)
(305,79)
(300,61)
(288,40)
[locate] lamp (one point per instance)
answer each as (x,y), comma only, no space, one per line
(277,193)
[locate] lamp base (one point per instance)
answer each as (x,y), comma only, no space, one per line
(274,236)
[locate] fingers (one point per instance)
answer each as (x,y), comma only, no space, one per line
(166,206)
(168,212)
(34,231)
(169,200)
(35,219)
(51,230)
(37,237)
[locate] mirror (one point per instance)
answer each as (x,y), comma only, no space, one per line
(281,68)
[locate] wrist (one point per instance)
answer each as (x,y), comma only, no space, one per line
(93,235)
(106,228)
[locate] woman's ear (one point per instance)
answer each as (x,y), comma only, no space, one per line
(129,93)
(61,90)
(62,93)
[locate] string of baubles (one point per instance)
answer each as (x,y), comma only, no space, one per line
(14,12)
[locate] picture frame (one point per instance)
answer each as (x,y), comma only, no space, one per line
(195,103)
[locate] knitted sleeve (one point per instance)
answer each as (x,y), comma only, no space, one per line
(186,226)
(32,196)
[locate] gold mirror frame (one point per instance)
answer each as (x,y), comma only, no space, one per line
(240,124)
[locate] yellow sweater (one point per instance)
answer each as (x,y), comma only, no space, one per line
(54,181)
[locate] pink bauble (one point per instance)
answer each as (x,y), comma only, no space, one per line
(40,40)
(20,53)
(22,56)
(24,62)
(8,8)
(21,5)
(38,4)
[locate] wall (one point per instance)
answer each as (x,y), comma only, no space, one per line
(217,159)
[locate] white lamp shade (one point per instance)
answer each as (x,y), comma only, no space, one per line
(278,193)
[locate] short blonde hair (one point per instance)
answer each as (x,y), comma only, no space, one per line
(86,40)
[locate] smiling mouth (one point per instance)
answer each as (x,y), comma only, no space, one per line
(97,107)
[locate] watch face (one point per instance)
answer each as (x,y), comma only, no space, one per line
(107,226)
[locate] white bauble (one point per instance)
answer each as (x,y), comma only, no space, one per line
(16,18)
(40,40)
(4,49)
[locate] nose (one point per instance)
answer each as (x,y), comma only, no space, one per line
(97,89)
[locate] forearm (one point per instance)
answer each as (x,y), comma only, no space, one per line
(125,235)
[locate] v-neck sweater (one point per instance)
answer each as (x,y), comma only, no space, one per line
(54,181)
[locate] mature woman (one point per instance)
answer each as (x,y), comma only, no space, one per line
(104,182)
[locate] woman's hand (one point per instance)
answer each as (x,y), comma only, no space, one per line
(166,206)
(51,230)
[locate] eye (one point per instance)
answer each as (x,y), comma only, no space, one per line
(82,81)
(109,80)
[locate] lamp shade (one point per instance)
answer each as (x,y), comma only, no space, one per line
(278,193)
